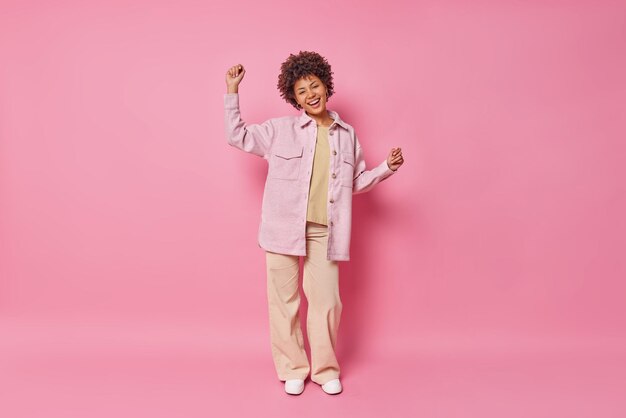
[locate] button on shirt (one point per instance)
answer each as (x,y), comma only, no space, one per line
(288,144)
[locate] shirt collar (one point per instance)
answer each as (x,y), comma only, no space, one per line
(305,119)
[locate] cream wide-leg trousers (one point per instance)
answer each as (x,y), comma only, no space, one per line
(321,288)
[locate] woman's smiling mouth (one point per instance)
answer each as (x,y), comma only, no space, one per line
(315,103)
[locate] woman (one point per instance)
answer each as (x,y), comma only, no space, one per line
(315,165)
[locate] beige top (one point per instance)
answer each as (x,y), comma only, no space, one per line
(318,190)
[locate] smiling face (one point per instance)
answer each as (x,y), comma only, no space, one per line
(310,93)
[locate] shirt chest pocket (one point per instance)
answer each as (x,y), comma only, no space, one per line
(347,168)
(285,162)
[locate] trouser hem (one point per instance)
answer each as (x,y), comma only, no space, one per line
(325,380)
(284,378)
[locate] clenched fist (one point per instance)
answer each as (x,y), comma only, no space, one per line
(234,75)
(395,160)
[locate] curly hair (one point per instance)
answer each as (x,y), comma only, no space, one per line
(301,65)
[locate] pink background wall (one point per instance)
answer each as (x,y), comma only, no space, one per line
(128,223)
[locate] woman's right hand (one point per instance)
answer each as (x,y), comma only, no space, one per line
(234,75)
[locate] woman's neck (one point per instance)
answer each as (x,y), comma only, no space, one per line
(323,120)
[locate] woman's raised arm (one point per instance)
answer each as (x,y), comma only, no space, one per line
(249,137)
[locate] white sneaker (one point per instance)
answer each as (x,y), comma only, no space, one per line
(294,386)
(332,387)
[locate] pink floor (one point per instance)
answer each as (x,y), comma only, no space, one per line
(68,369)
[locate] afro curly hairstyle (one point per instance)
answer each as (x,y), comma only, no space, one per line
(301,65)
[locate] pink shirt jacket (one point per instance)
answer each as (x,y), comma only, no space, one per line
(288,145)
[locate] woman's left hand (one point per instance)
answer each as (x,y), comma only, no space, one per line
(395,160)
